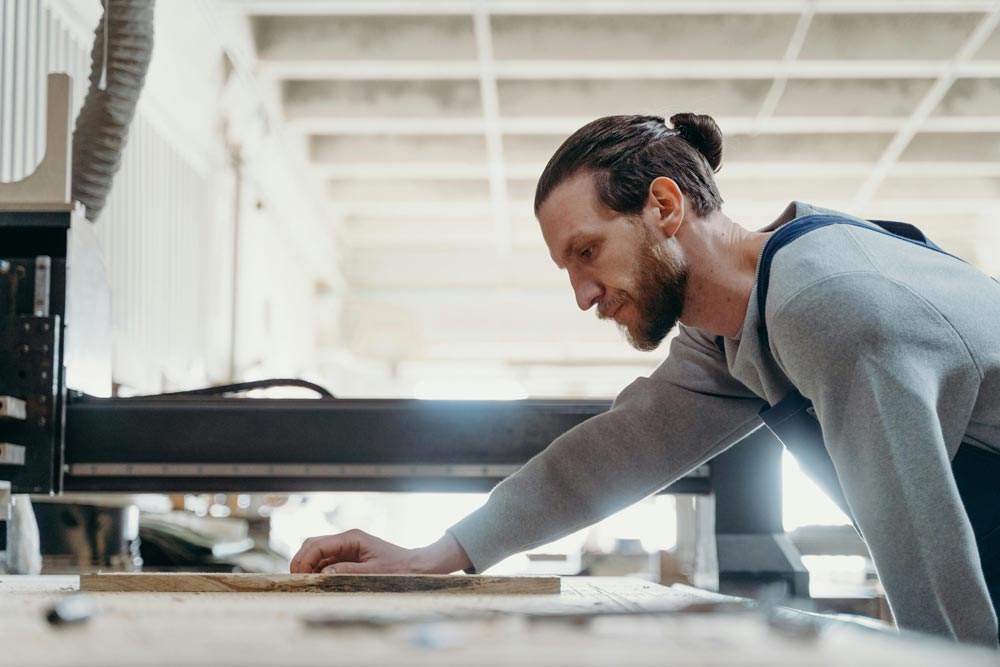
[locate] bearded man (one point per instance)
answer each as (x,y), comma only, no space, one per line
(889,342)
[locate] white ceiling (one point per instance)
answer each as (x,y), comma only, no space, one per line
(429,121)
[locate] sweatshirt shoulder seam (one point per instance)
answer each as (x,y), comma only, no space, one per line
(815,283)
(906,288)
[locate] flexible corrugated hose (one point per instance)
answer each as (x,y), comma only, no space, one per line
(123,47)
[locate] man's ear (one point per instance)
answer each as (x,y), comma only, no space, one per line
(667,201)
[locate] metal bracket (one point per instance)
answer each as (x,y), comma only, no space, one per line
(11,455)
(5,498)
(48,187)
(43,284)
(12,408)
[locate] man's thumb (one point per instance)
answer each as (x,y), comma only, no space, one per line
(349,568)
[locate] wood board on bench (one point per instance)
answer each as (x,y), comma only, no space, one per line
(318,583)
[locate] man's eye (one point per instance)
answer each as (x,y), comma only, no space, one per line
(586,253)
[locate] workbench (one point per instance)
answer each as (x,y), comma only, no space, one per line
(245,629)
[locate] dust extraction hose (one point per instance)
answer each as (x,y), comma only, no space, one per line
(123,47)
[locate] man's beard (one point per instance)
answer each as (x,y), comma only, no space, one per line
(657,298)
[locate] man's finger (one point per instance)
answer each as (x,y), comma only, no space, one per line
(294,565)
(323,563)
(331,547)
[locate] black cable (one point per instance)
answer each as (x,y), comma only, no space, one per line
(246,386)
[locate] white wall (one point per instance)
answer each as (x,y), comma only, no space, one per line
(167,231)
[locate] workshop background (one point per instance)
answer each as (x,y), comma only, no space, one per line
(340,190)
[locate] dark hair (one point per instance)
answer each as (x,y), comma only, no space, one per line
(626,153)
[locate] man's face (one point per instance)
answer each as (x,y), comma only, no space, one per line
(615,262)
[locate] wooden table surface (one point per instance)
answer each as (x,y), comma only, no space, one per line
(247,629)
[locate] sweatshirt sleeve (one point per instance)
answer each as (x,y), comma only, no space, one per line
(894,385)
(658,429)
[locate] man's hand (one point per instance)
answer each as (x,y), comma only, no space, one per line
(357,552)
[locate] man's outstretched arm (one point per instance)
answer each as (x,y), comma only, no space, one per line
(658,429)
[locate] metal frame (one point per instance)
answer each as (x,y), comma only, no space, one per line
(243,444)
(32,350)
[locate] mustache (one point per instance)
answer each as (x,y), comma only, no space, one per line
(611,304)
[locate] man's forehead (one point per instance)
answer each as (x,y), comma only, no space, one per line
(569,205)
(578,189)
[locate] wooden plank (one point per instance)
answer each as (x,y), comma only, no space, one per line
(318,583)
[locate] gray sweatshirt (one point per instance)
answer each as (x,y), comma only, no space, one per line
(897,346)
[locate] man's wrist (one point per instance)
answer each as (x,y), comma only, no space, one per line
(442,557)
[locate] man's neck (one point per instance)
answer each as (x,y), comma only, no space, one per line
(722,262)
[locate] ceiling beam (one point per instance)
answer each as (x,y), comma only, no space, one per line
(641,7)
(494,133)
(479,171)
(396,70)
(562,125)
(471,210)
(792,51)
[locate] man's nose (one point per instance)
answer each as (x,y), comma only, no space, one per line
(587,291)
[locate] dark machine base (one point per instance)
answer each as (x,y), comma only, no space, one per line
(754,552)
(761,566)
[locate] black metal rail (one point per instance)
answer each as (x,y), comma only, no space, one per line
(247,444)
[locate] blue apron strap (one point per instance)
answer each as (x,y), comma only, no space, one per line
(907,231)
(793,420)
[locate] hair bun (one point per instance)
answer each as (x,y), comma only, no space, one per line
(703,133)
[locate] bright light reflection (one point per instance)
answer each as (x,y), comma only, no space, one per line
(837,576)
(499,389)
(804,503)
(416,519)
